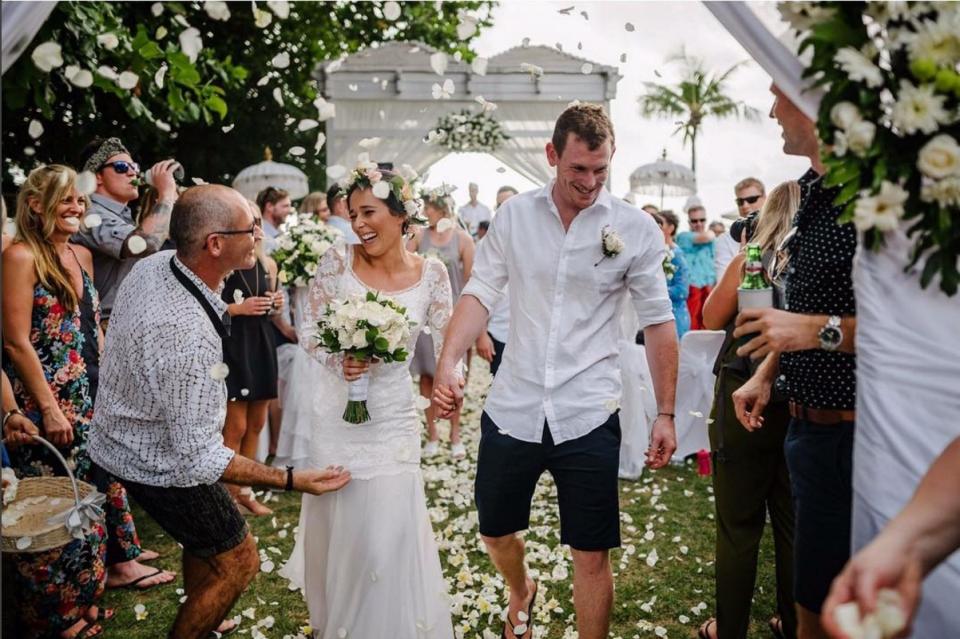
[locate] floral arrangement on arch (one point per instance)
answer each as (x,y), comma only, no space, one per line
(468,131)
(402,185)
(890,120)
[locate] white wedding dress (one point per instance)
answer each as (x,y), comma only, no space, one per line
(365,556)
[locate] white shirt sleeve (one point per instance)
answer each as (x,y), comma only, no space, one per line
(646,281)
(489,275)
(724,250)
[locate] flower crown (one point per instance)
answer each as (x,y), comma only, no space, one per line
(439,193)
(402,185)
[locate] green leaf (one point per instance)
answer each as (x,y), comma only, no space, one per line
(930,268)
(381,344)
(847,193)
(216,103)
(150,51)
(842,173)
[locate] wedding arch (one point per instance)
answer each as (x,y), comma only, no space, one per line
(387,92)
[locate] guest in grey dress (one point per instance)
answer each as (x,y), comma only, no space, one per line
(453,246)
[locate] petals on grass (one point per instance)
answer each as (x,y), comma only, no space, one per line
(140,612)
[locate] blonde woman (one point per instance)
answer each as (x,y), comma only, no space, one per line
(454,247)
(750,477)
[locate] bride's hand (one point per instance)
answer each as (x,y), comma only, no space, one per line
(354,368)
(447,392)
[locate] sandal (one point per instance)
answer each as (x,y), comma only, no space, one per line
(133,585)
(704,632)
(776,627)
(525,625)
(103,614)
(87,631)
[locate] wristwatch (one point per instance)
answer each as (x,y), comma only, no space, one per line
(830,335)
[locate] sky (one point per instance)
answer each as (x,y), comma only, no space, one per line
(727,150)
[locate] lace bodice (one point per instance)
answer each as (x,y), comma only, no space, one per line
(390,441)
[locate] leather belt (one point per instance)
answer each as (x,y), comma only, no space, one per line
(824,416)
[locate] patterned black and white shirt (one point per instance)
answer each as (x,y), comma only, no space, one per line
(820,281)
(160,408)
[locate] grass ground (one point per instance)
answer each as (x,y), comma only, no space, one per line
(664,570)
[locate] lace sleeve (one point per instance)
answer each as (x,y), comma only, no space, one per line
(323,291)
(440,308)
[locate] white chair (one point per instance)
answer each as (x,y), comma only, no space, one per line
(698,351)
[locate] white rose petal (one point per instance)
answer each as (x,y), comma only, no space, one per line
(237,296)
(219,371)
(128,80)
(306,124)
(278,95)
(439,62)
(47,56)
(35,130)
(297,150)
(82,79)
(391,10)
(86,183)
(191,43)
(137,245)
(652,558)
(24,542)
(342,633)
(281,8)
(217,10)
(161,32)
(267,566)
(108,41)
(325,110)
(336,171)
(228,128)
(444,225)
(262,18)
(159,76)
(156,8)
(369,143)
(423,403)
(660,631)
(479,65)
(381,190)
(466,27)
(844,114)
(281,60)
(92,220)
(940,157)
(108,73)
(586,68)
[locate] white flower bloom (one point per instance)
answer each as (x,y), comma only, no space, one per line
(159,76)
(191,43)
(128,80)
(945,192)
(391,10)
(108,41)
(281,60)
(217,10)
(47,56)
(940,157)
(860,137)
(35,130)
(844,114)
(381,190)
(918,109)
(858,67)
(479,65)
(281,8)
(938,41)
(532,69)
(803,16)
(882,211)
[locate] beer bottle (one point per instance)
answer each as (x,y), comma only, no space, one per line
(754,291)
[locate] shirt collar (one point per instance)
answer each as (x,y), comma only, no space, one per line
(212,296)
(110,204)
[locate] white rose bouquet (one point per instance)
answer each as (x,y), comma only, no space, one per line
(468,131)
(299,250)
(366,328)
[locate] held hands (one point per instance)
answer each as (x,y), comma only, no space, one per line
(56,428)
(485,347)
(778,331)
(19,430)
(447,392)
(663,442)
(354,368)
(256,305)
(162,176)
(317,482)
(750,400)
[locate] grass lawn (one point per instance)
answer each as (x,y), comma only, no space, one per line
(664,570)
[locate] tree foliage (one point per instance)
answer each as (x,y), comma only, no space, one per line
(214,110)
(700,94)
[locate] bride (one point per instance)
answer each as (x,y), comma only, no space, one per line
(366,557)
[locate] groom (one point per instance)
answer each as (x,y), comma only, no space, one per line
(570,252)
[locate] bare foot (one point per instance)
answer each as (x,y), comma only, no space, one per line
(227,625)
(148,555)
(248,501)
(133,574)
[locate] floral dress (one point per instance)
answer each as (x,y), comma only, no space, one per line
(67,346)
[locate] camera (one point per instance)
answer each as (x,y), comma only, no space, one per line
(742,229)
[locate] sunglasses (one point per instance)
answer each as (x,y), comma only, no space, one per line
(750,199)
(697,220)
(122,167)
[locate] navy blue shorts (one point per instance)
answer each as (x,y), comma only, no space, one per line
(584,470)
(820,461)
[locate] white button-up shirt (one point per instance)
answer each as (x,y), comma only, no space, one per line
(561,362)
(159,415)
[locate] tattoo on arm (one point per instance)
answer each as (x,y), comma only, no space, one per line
(247,472)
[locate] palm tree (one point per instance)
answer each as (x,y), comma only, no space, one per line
(699,95)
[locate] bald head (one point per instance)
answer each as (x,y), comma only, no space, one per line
(202,210)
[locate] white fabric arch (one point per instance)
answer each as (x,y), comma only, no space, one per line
(21,21)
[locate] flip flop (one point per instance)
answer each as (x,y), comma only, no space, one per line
(526,626)
(133,584)
(704,631)
(104,614)
(88,631)
(776,627)
(216,634)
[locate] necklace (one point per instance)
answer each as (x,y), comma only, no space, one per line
(256,276)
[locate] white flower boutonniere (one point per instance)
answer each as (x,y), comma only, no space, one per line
(610,243)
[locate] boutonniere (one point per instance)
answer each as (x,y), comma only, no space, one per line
(610,243)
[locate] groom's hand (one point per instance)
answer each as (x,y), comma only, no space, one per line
(317,482)
(447,392)
(663,442)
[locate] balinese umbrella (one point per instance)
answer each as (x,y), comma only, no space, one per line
(663,177)
(254,179)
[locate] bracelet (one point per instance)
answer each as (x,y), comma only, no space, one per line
(289,486)
(670,415)
(11,412)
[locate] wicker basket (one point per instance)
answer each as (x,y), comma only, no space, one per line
(61,494)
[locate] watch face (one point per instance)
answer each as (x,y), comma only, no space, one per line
(831,335)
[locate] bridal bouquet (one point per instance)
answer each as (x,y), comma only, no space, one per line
(299,250)
(366,328)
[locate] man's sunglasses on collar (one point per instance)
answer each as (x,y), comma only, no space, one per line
(122,167)
(750,199)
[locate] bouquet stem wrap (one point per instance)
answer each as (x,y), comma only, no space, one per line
(356,410)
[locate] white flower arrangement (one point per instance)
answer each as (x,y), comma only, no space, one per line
(891,118)
(299,250)
(468,131)
(611,244)
(402,186)
(669,270)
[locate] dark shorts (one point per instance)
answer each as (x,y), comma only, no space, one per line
(820,461)
(584,470)
(204,519)
(497,354)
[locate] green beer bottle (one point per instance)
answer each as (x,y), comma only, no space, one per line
(754,291)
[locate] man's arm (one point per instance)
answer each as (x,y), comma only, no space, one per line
(784,332)
(154,226)
(468,321)
(246,472)
(703,237)
(660,341)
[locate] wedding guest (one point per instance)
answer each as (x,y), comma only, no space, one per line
(474,211)
(549,407)
(339,214)
(650,208)
(808,351)
(250,353)
(275,206)
(678,281)
(504,193)
(163,402)
(750,195)
(697,247)
(117,242)
(315,205)
(454,247)
(492,342)
(718,228)
(750,478)
(52,340)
